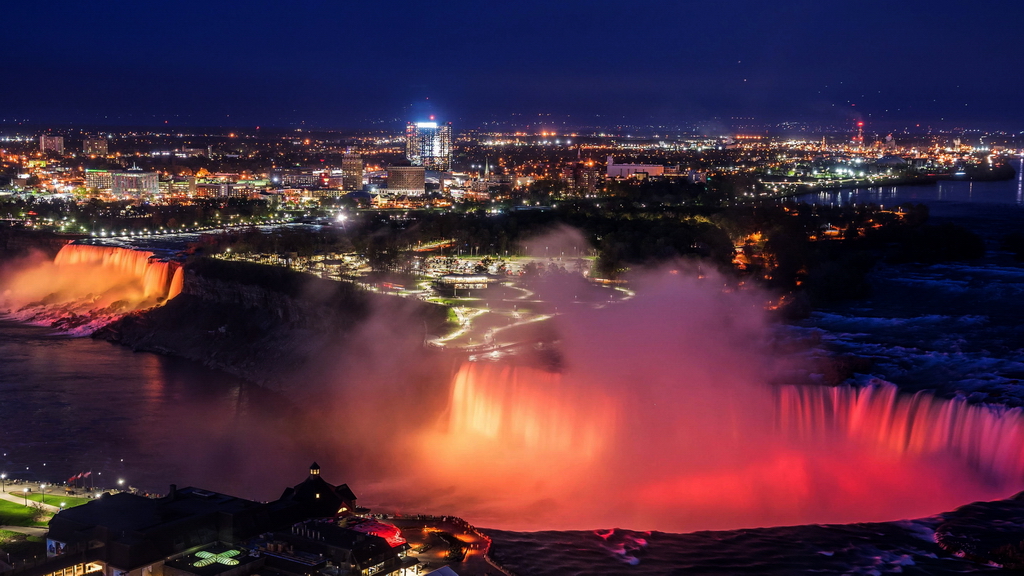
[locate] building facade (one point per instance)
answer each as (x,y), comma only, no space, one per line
(101,180)
(97,146)
(429,144)
(352,172)
(629,170)
(135,183)
(407,180)
(51,144)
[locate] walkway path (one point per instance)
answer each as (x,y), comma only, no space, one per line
(30,530)
(21,500)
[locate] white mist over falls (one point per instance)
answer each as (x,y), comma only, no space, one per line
(668,414)
(669,411)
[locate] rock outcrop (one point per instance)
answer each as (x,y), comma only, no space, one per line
(268,325)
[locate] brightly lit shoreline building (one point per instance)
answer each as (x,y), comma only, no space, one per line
(429,144)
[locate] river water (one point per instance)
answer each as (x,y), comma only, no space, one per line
(71,405)
(952,328)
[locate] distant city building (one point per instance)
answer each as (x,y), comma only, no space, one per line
(429,144)
(213,189)
(524,181)
(407,180)
(628,170)
(890,144)
(297,178)
(580,177)
(51,144)
(185,186)
(102,180)
(352,172)
(135,182)
(97,146)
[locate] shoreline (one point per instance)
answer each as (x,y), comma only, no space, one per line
(803,188)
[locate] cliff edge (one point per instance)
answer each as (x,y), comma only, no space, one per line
(266,324)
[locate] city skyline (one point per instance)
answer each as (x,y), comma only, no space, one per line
(657,63)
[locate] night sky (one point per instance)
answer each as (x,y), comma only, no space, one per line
(342,64)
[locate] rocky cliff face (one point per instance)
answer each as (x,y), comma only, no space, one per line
(16,242)
(270,326)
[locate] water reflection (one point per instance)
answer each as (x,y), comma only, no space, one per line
(1020,182)
(1001,192)
(77,404)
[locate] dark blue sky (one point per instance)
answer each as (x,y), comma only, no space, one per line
(345,64)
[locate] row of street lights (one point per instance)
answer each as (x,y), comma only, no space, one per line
(42,490)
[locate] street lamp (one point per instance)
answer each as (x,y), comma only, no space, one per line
(42,493)
(3,482)
(25,491)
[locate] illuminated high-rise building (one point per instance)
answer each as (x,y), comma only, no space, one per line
(429,144)
(97,146)
(351,172)
(51,144)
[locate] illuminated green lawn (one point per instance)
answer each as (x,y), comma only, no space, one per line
(56,499)
(13,514)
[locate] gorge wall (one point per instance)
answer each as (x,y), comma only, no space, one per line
(268,325)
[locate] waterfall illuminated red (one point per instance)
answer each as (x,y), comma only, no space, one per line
(86,286)
(661,415)
(987,439)
(523,448)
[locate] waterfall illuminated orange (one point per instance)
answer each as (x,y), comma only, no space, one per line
(87,286)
